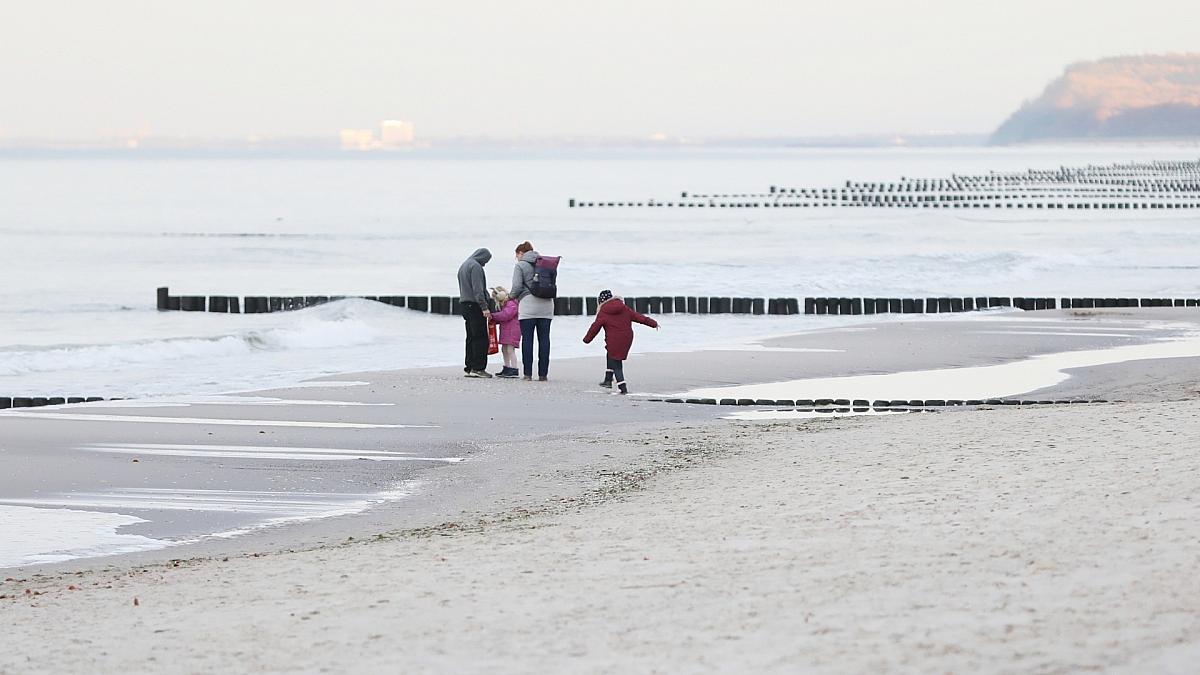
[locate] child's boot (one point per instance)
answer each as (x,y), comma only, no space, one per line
(608,379)
(621,386)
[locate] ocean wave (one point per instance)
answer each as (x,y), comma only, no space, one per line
(345,323)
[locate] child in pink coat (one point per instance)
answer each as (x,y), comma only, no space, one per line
(505,317)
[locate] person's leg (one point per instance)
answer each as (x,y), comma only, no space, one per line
(503,359)
(463,309)
(478,337)
(510,356)
(543,334)
(527,326)
(619,375)
(608,371)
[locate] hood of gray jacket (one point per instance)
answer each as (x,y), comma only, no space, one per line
(472,282)
(530,257)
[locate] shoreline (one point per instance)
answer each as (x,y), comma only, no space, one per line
(640,537)
(432,400)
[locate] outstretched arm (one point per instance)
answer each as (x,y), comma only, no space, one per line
(642,319)
(591,332)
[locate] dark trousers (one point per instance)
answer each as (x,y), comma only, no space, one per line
(477,336)
(542,326)
(616,370)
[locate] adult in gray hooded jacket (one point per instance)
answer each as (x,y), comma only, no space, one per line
(473,299)
(535,313)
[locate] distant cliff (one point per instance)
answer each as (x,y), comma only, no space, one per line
(1121,97)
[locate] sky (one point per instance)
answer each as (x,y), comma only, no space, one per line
(696,68)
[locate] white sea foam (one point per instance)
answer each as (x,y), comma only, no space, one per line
(343,508)
(54,528)
(298,504)
(343,324)
(185,401)
(269,401)
(85,417)
(45,535)
(261,452)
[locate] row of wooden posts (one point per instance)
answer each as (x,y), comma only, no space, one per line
(7,402)
(845,405)
(917,202)
(580,306)
(1144,186)
(942,305)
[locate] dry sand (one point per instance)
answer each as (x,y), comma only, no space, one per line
(1012,540)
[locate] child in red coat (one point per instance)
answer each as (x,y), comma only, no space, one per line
(616,318)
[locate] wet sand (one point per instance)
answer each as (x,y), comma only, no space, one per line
(512,435)
(1008,540)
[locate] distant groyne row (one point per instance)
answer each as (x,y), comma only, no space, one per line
(7,402)
(1120,186)
(845,405)
(581,306)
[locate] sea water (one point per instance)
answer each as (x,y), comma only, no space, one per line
(87,239)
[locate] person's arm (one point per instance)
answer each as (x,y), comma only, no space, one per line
(479,287)
(506,313)
(642,319)
(591,332)
(518,283)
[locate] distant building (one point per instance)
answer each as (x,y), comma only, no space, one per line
(358,139)
(396,134)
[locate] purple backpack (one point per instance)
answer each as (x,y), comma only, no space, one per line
(545,277)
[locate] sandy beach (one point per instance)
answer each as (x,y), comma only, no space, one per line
(1015,540)
(649,537)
